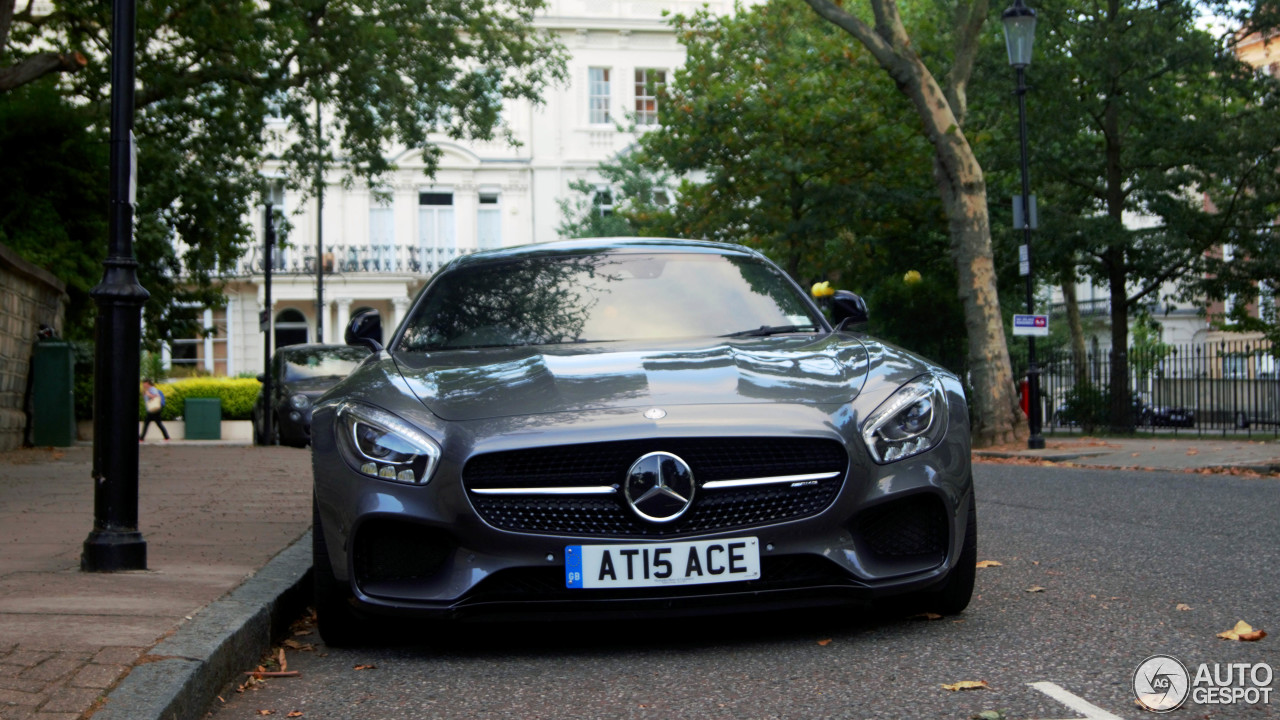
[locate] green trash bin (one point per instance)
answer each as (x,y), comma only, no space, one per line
(53,405)
(203,418)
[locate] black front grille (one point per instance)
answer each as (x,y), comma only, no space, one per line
(393,550)
(912,527)
(606,464)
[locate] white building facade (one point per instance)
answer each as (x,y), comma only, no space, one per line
(378,253)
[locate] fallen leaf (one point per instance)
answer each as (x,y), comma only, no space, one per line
(989,563)
(966,685)
(365,667)
(1182,606)
(295,713)
(825,643)
(295,645)
(284,664)
(224,702)
(925,616)
(1193,451)
(266,712)
(1035,588)
(989,715)
(1134,454)
(1243,631)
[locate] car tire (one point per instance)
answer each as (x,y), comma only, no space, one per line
(953,595)
(336,620)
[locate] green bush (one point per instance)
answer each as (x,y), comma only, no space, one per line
(237,394)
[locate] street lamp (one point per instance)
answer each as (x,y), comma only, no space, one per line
(1019,33)
(115,542)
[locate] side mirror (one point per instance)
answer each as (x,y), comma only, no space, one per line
(262,377)
(365,329)
(848,309)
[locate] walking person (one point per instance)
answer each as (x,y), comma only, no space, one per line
(154,400)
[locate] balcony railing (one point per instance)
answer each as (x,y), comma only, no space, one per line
(339,258)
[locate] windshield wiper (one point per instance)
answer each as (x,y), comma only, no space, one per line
(767,330)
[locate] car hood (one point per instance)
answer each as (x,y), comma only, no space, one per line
(461,385)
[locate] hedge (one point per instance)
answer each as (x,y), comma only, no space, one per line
(237,394)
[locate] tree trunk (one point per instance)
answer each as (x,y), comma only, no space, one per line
(1076,327)
(997,415)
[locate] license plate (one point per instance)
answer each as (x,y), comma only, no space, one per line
(695,562)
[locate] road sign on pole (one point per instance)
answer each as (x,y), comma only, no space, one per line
(1031,325)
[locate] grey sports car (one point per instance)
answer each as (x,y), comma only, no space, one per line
(634,426)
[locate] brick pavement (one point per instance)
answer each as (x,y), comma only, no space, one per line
(211,515)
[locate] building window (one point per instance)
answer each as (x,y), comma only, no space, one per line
(489,221)
(649,84)
(437,239)
(291,328)
(1229,302)
(598,95)
(205,352)
(382,237)
(603,200)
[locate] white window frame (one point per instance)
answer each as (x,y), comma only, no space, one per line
(599,95)
(643,82)
(437,228)
(488,219)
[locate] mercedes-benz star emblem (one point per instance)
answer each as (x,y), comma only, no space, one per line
(659,487)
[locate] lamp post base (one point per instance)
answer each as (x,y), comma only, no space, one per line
(1035,442)
(113,551)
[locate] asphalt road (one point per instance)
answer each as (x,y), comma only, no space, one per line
(1115,553)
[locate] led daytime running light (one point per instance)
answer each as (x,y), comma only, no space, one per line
(408,454)
(885,446)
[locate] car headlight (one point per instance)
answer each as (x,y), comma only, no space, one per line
(381,445)
(299,401)
(911,421)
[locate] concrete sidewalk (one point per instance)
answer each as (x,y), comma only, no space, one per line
(1185,452)
(213,516)
(228,555)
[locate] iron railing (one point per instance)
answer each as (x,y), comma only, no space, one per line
(341,258)
(1221,387)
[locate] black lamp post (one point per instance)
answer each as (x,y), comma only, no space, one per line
(115,542)
(1019,32)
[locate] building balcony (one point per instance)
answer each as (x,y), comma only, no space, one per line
(344,259)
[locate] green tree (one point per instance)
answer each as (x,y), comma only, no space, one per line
(391,73)
(772,154)
(53,171)
(1140,115)
(931,66)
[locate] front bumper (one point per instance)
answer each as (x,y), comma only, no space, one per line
(426,551)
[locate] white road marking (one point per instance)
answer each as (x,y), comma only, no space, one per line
(1080,705)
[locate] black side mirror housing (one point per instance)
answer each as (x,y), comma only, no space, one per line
(365,329)
(848,308)
(262,377)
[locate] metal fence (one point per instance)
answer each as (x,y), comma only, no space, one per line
(1211,388)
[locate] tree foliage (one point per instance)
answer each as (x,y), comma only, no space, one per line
(768,151)
(1151,145)
(211,74)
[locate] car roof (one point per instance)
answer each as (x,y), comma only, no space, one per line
(582,246)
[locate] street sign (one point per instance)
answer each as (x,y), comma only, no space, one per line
(1018,222)
(1031,325)
(1024,260)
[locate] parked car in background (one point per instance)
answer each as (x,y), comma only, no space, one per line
(1165,416)
(299,375)
(616,428)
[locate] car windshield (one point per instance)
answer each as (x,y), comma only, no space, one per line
(605,297)
(335,362)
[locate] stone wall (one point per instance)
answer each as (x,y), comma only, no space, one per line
(29,297)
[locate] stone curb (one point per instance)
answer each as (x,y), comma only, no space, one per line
(1038,455)
(189,668)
